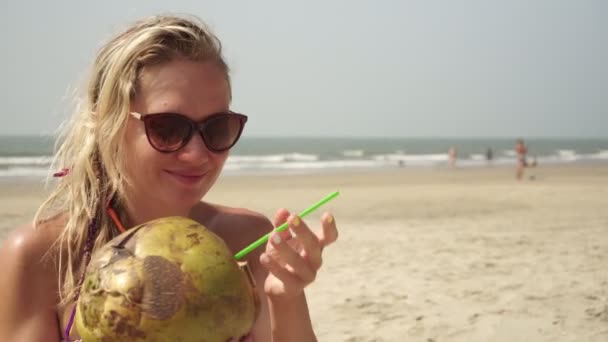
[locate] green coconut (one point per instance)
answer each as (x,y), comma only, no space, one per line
(170,279)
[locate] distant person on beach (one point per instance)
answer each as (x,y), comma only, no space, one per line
(149,140)
(489,156)
(521,150)
(452,156)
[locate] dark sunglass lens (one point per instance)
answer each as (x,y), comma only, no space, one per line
(221,132)
(167,132)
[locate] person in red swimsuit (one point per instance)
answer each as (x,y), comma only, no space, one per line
(521,150)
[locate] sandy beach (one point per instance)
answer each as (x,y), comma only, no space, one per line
(464,254)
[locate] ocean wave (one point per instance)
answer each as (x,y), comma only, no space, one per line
(509,153)
(600,155)
(24,172)
(313,165)
(23,161)
(412,158)
(353,153)
(567,155)
(37,166)
(272,158)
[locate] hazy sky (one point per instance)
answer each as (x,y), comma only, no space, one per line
(344,68)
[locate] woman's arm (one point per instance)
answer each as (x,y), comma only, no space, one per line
(27,312)
(290,320)
(278,320)
(284,269)
(284,314)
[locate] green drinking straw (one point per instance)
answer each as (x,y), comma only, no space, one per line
(263,239)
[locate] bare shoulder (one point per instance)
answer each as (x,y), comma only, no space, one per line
(26,245)
(27,254)
(28,285)
(237,226)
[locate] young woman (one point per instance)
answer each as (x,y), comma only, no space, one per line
(149,141)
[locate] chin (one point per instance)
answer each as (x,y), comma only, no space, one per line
(187,199)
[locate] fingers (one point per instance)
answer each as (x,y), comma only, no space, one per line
(329,232)
(311,247)
(306,259)
(293,260)
(295,264)
(280,217)
(289,282)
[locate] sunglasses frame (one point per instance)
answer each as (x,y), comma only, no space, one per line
(194,127)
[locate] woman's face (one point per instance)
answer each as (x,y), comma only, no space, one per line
(174,182)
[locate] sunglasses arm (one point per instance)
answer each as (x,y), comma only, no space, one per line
(136,115)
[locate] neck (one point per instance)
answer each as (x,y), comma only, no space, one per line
(139,212)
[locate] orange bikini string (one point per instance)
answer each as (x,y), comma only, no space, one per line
(65,171)
(114,217)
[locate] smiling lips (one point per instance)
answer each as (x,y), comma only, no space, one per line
(187,177)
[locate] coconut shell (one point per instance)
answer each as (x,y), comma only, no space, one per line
(170,279)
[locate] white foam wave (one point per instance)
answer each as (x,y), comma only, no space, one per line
(272,158)
(477,157)
(600,155)
(314,165)
(510,153)
(15,161)
(35,166)
(567,155)
(24,172)
(353,153)
(418,159)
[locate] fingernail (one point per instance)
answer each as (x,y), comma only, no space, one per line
(330,219)
(276,238)
(264,258)
(295,221)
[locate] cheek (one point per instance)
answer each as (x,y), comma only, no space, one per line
(219,160)
(138,151)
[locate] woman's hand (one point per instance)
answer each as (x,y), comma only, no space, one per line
(293,257)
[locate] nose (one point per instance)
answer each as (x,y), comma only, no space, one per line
(195,151)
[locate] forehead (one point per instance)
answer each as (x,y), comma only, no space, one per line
(196,89)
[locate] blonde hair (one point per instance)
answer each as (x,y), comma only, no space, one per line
(91,142)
